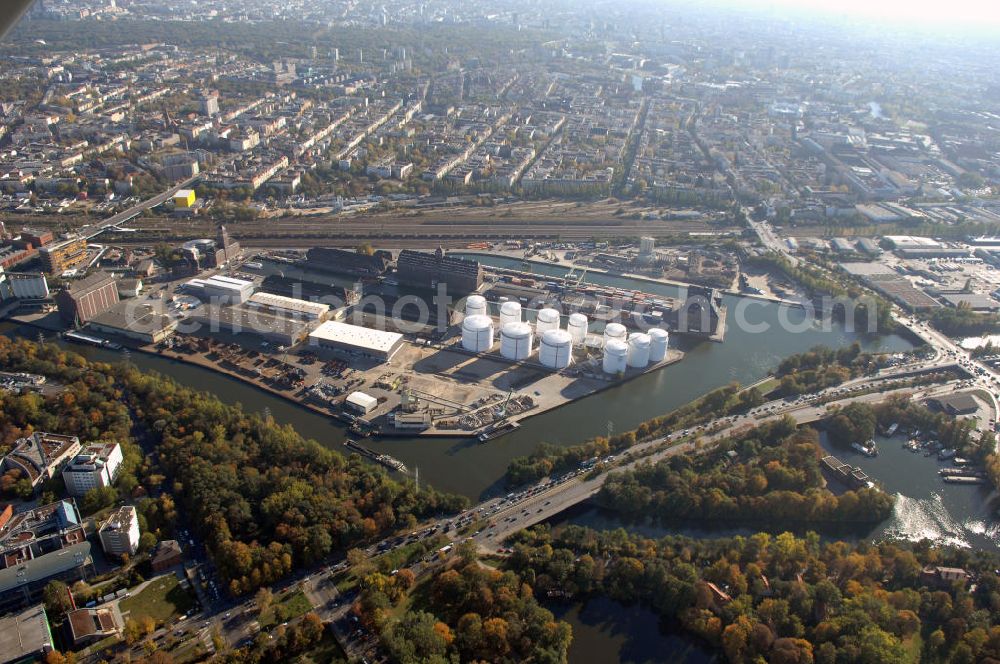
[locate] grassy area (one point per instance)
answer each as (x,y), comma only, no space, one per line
(345,582)
(768,386)
(160,600)
(289,606)
(417,593)
(406,554)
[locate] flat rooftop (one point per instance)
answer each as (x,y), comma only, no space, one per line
(223,279)
(288,303)
(25,634)
(357,336)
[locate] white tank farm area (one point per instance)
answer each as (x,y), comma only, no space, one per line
(499,363)
(496,370)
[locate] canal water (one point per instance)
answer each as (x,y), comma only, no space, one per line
(926,507)
(476,470)
(606,631)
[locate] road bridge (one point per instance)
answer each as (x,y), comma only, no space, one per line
(136,210)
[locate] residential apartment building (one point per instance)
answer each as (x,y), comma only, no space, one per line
(120,533)
(97,465)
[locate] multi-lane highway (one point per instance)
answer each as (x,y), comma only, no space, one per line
(545,501)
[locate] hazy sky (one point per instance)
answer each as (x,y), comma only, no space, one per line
(980,13)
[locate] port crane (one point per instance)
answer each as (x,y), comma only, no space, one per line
(502,413)
(574,278)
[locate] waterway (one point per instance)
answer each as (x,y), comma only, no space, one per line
(606,631)
(476,470)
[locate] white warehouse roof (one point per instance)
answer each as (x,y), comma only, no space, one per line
(273,301)
(224,281)
(366,402)
(345,334)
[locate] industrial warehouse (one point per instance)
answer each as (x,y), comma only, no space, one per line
(481,376)
(380,355)
(356,340)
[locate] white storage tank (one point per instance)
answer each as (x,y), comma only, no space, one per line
(614,331)
(510,312)
(515,341)
(615,356)
(638,350)
(547,319)
(477,333)
(556,349)
(658,344)
(577,327)
(475,305)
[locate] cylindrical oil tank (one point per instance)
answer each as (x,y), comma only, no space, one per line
(658,344)
(477,333)
(615,356)
(510,312)
(556,349)
(577,327)
(515,341)
(614,331)
(638,350)
(547,319)
(475,305)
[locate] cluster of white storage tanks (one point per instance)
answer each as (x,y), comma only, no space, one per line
(555,349)
(636,350)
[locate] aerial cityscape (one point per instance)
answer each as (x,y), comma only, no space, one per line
(436,332)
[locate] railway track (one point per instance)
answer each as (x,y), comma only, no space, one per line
(350,233)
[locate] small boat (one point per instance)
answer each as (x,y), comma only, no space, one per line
(965,480)
(946,454)
(869,449)
(254,265)
(891,431)
(960,472)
